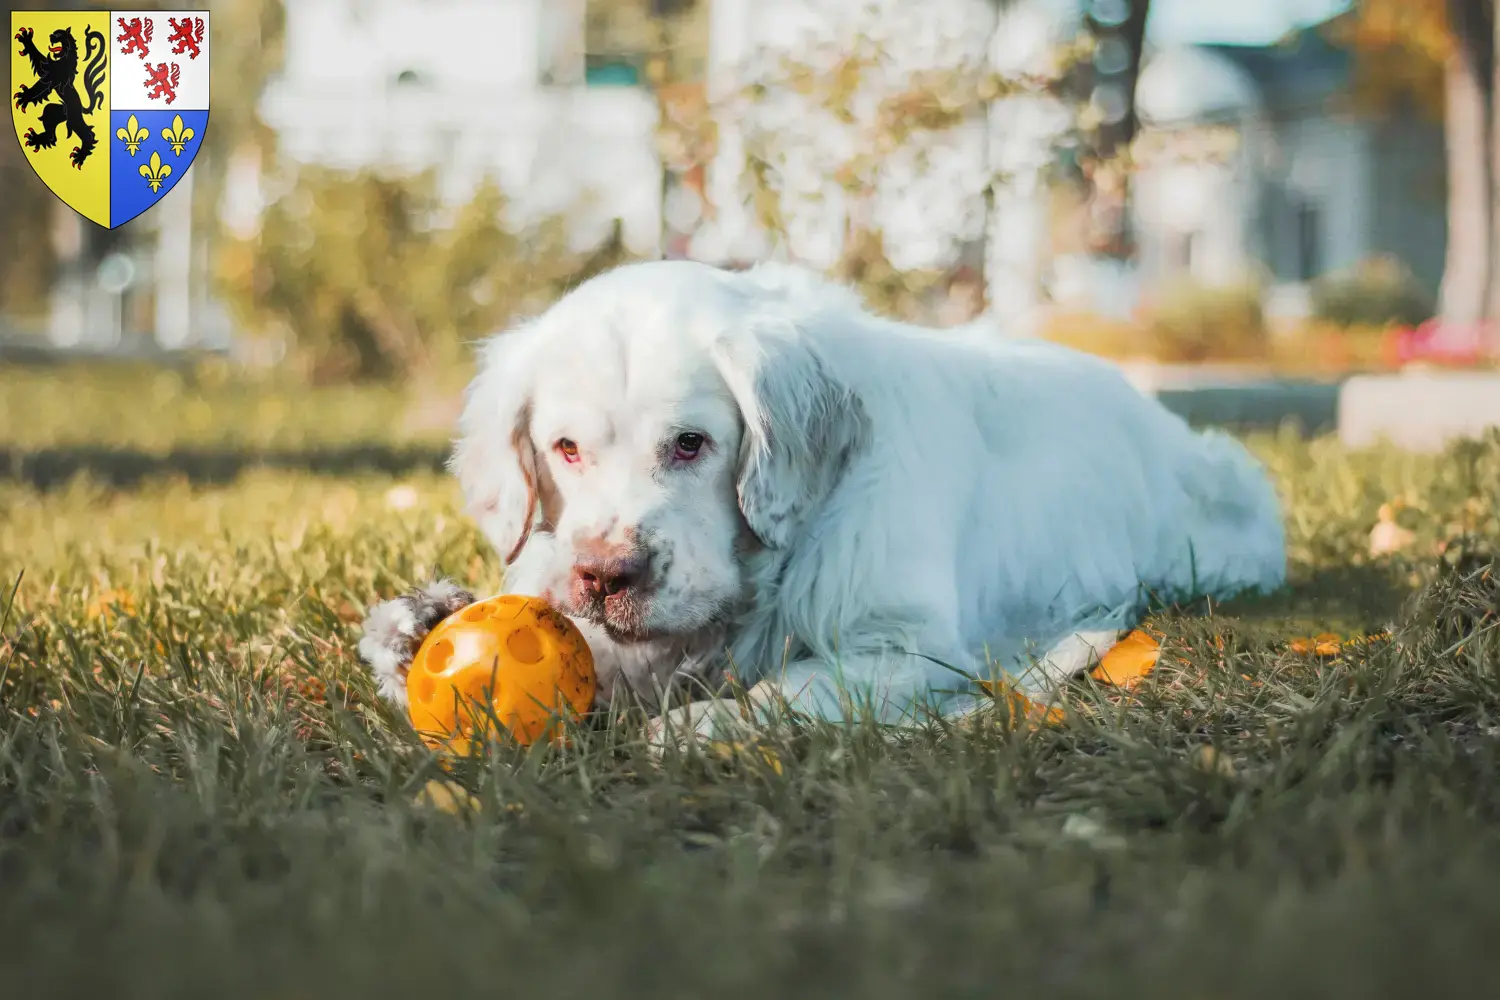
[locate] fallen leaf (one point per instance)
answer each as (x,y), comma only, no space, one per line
(1089,830)
(402,497)
(448,796)
(110,602)
(1207,759)
(1322,644)
(730,751)
(1022,707)
(1387,536)
(1129,660)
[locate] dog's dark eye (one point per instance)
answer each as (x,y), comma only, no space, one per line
(688,446)
(567,448)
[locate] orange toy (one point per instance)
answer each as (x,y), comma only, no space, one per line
(512,659)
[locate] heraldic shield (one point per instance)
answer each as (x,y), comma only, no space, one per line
(110,106)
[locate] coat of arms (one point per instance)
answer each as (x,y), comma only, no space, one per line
(110,106)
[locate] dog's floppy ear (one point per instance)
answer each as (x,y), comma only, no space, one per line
(504,484)
(802,426)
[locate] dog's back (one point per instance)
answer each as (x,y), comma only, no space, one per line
(1065,498)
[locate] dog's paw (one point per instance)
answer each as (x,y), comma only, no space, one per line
(704,723)
(394,629)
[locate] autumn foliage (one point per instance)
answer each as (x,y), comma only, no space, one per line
(1401,47)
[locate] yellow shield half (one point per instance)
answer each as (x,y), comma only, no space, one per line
(110,106)
(59,75)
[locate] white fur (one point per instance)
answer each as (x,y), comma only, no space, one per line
(881,506)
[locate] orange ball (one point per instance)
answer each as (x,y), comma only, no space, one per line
(513,659)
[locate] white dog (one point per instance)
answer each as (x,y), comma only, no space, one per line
(706,468)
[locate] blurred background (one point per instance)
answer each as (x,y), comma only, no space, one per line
(1299,187)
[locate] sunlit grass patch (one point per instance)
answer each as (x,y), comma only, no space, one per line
(200,794)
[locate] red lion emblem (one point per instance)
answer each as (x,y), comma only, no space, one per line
(163,83)
(135,36)
(187,34)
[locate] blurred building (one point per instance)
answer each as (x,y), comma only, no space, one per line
(1253,163)
(1317,186)
(504,90)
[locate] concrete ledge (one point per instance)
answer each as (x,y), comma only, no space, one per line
(1312,406)
(1418,411)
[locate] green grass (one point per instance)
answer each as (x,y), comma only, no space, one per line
(155,410)
(199,795)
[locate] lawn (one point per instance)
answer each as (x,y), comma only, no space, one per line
(199,796)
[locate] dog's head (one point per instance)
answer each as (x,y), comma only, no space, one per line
(663,421)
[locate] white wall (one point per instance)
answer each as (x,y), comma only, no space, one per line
(1328,160)
(1321,159)
(1214,200)
(476,108)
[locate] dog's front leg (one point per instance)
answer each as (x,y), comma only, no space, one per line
(883,687)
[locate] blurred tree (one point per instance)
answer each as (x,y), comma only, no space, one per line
(856,114)
(670,33)
(1402,46)
(27,256)
(667,40)
(248,39)
(1438,56)
(1110,121)
(368,276)
(860,113)
(1469,68)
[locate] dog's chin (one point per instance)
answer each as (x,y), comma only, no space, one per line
(627,635)
(622,618)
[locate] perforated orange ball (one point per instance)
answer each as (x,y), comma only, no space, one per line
(509,659)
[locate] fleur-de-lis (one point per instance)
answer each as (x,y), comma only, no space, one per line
(132,135)
(177,135)
(156,171)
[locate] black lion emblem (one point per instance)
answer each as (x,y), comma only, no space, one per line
(56,74)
